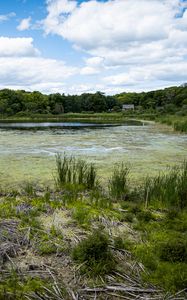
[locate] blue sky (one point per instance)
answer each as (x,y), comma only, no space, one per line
(75,46)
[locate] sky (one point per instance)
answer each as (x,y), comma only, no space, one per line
(78,46)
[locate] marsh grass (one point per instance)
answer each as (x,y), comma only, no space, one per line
(99,199)
(29,189)
(156,209)
(173,250)
(169,190)
(180,126)
(15,287)
(72,171)
(118,183)
(82,216)
(179,123)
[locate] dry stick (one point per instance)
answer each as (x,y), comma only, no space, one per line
(126,277)
(56,288)
(72,294)
(118,296)
(180,292)
(53,294)
(121,289)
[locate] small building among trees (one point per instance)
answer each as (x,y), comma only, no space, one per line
(128,107)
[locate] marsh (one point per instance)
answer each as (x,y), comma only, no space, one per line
(29,154)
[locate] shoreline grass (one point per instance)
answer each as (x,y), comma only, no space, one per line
(83,233)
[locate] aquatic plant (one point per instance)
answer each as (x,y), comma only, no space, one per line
(74,171)
(118,183)
(168,189)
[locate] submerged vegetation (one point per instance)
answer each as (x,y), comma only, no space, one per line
(122,240)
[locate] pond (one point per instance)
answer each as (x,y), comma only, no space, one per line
(29,154)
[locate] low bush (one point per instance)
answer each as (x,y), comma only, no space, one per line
(173,250)
(128,217)
(171,277)
(145,216)
(95,255)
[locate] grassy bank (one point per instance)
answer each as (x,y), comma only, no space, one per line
(82,240)
(179,123)
(104,117)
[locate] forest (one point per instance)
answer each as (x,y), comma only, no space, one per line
(23,103)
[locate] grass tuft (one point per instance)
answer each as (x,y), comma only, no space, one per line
(118,183)
(95,255)
(74,171)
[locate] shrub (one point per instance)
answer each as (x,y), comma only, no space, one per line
(145,216)
(173,250)
(172,277)
(95,253)
(128,217)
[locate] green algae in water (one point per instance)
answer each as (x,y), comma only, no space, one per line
(29,155)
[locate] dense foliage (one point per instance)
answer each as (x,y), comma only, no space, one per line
(21,103)
(168,100)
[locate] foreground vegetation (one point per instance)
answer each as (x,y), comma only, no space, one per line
(82,240)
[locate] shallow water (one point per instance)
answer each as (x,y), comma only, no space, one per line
(30,154)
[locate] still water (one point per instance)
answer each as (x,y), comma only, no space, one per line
(29,154)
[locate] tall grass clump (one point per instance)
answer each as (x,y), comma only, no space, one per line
(168,189)
(180,126)
(118,183)
(70,170)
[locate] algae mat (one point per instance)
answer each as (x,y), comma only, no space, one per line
(29,155)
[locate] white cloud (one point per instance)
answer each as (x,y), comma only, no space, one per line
(34,72)
(93,66)
(4,18)
(17,47)
(56,10)
(25,24)
(23,67)
(167,72)
(96,24)
(142,39)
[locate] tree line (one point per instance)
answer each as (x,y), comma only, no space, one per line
(168,100)
(21,102)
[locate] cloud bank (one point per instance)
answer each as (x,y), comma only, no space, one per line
(126,45)
(144,40)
